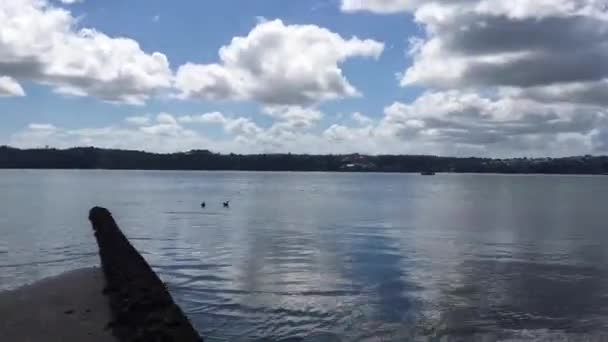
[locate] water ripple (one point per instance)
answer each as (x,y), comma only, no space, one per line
(352,257)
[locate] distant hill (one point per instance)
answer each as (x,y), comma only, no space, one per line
(96,158)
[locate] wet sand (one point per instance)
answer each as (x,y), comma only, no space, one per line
(69,307)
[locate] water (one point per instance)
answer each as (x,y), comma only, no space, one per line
(336,257)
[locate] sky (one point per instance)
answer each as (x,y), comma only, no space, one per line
(489,78)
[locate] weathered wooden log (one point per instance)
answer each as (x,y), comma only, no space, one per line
(141,305)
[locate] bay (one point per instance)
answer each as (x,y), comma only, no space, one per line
(335,257)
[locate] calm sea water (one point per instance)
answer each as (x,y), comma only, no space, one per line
(336,257)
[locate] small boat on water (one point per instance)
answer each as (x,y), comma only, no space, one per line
(427,173)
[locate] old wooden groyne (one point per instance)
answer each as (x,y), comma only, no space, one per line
(141,305)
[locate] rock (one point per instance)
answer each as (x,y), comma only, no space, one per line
(142,306)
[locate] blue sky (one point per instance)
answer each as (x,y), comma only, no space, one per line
(318,76)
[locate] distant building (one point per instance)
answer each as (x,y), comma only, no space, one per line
(357,162)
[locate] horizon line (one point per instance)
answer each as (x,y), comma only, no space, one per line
(296,154)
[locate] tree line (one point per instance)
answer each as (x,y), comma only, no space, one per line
(97,158)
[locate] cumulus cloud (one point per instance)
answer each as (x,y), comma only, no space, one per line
(469,118)
(378,6)
(514,8)
(278,64)
(240,126)
(519,44)
(243,127)
(584,93)
(206,118)
(167,132)
(513,76)
(502,78)
(294,116)
(549,50)
(448,123)
(163,132)
(138,120)
(70,2)
(341,133)
(160,134)
(10,87)
(41,127)
(361,119)
(289,121)
(456,123)
(43,44)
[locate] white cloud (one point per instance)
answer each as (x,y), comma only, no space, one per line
(161,135)
(446,123)
(42,43)
(550,50)
(513,9)
(139,120)
(166,125)
(498,83)
(378,6)
(492,125)
(290,121)
(10,87)
(243,127)
(505,77)
(278,64)
(240,126)
(206,118)
(169,133)
(70,2)
(38,135)
(539,9)
(41,127)
(584,93)
(166,118)
(340,133)
(294,116)
(481,43)
(466,123)
(361,119)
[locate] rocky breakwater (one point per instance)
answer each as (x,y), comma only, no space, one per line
(141,305)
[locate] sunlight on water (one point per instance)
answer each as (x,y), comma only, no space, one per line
(335,257)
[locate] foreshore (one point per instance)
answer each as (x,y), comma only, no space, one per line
(69,307)
(124,300)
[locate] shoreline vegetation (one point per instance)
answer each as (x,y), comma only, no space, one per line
(112,159)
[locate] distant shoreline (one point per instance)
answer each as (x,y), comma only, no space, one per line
(313,172)
(91,158)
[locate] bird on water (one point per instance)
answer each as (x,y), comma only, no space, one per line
(226,204)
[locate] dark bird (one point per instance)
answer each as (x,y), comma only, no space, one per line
(226,204)
(203,205)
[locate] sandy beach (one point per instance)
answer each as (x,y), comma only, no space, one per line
(69,307)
